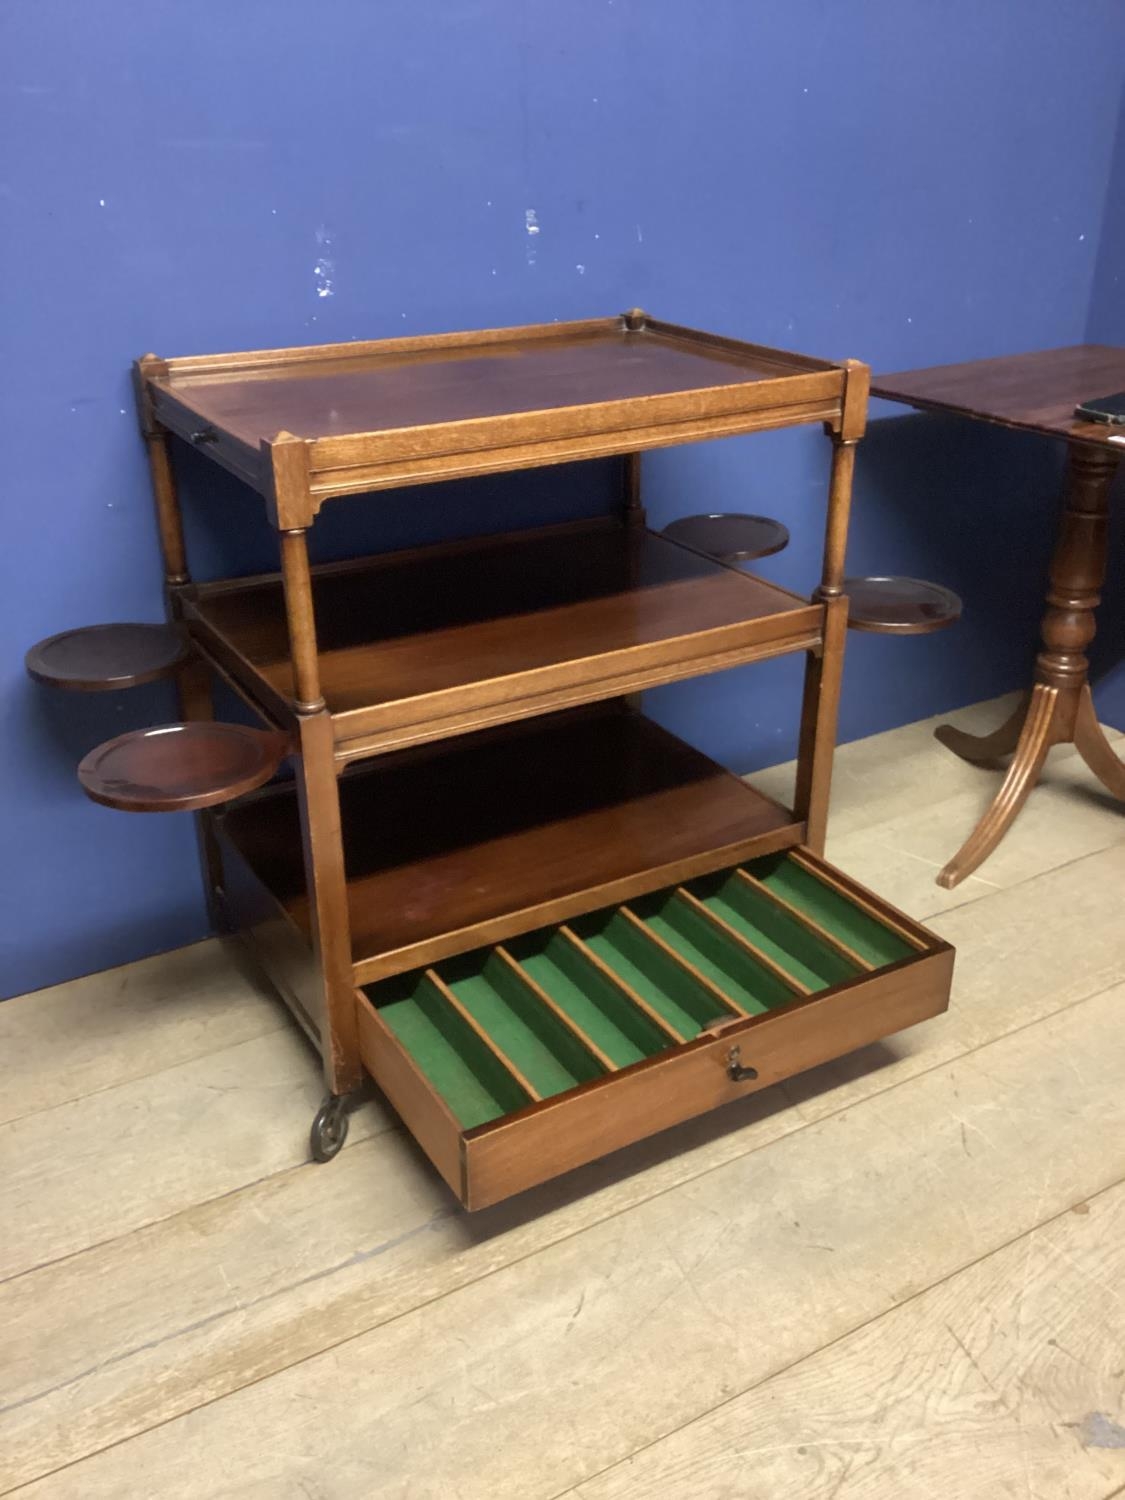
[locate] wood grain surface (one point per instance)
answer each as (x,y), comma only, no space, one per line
(540,1345)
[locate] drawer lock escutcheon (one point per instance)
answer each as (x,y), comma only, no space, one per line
(736,1069)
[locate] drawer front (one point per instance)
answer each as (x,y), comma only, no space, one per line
(514,1064)
(572,1129)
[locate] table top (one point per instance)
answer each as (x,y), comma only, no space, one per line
(412,383)
(359,417)
(1035,392)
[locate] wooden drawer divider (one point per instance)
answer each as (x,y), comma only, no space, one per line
(625,991)
(628,1033)
(487,1040)
(679,966)
(711,952)
(793,946)
(470,1068)
(802,918)
(854,896)
(742,943)
(539,995)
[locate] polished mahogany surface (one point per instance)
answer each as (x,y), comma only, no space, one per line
(180,767)
(489,828)
(424,628)
(438,647)
(397,387)
(1037,392)
(730,535)
(900,606)
(100,658)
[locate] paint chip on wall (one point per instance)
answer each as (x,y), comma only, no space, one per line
(325,268)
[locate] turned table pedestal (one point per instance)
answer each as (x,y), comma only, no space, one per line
(1038,393)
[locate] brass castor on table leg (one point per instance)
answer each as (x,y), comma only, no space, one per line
(329,1128)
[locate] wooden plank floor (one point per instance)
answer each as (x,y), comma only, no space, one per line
(901,1275)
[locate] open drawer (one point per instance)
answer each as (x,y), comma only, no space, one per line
(512,1064)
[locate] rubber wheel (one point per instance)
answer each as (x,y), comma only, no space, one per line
(329,1130)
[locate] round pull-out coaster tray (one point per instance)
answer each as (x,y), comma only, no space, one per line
(730,537)
(899,606)
(180,767)
(99,658)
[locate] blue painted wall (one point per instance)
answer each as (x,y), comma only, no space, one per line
(1107,301)
(1106,325)
(899,182)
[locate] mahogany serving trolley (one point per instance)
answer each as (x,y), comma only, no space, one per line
(542,924)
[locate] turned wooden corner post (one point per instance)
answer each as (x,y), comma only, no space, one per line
(318,793)
(169,519)
(193,684)
(193,680)
(633,514)
(297,579)
(632,506)
(825,666)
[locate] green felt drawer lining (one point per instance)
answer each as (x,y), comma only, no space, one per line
(781,937)
(712,953)
(475,1083)
(546,1053)
(671,992)
(599,1010)
(866,936)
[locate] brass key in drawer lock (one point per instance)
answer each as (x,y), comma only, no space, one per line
(736,1070)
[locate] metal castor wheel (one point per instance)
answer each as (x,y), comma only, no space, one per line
(329,1128)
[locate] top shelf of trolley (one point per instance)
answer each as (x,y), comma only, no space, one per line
(350,418)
